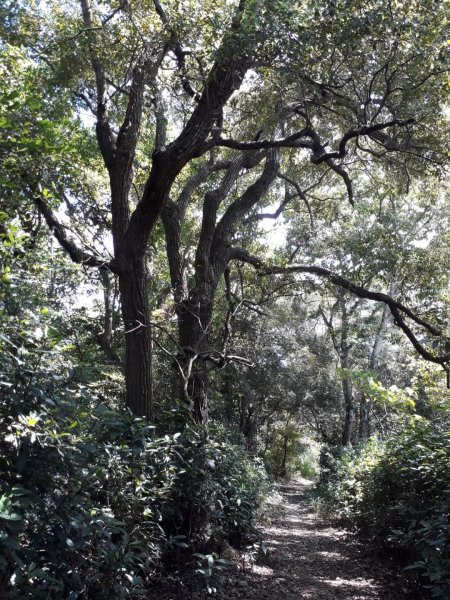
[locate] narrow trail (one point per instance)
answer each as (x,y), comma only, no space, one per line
(310,559)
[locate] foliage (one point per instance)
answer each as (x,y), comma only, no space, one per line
(219,489)
(81,501)
(185,98)
(291,453)
(399,492)
(90,500)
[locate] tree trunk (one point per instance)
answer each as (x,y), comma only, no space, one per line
(349,413)
(194,320)
(227,393)
(344,352)
(364,420)
(105,339)
(251,430)
(283,466)
(138,340)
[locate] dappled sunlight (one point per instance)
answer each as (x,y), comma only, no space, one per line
(356,583)
(307,558)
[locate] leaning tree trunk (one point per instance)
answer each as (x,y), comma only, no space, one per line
(138,341)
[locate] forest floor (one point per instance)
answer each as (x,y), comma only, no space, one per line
(308,558)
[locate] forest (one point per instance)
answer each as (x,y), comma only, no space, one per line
(224,299)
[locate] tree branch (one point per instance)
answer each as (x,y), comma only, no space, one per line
(226,75)
(180,53)
(103,129)
(76,254)
(244,256)
(396,308)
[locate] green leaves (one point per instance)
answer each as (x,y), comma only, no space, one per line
(399,491)
(7,510)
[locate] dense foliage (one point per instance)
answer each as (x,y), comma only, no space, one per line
(91,501)
(163,351)
(398,491)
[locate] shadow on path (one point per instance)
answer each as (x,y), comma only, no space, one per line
(310,559)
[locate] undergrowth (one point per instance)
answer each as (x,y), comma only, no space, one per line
(398,493)
(92,499)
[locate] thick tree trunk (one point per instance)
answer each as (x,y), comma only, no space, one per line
(138,341)
(194,320)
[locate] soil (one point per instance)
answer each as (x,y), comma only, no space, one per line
(307,558)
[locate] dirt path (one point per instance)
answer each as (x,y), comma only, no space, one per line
(310,559)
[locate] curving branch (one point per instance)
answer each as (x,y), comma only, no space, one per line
(307,138)
(180,53)
(302,193)
(77,254)
(312,141)
(244,256)
(321,156)
(398,310)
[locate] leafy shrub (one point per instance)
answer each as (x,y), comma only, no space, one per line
(80,503)
(90,500)
(219,489)
(399,492)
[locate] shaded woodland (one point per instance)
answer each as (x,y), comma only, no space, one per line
(224,252)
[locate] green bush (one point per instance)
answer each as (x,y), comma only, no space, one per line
(398,492)
(80,503)
(91,501)
(219,489)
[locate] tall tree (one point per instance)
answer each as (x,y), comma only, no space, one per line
(311,88)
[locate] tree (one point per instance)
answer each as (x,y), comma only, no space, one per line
(144,68)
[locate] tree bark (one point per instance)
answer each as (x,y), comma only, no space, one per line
(349,424)
(194,323)
(364,418)
(138,341)
(227,392)
(364,424)
(105,338)
(344,356)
